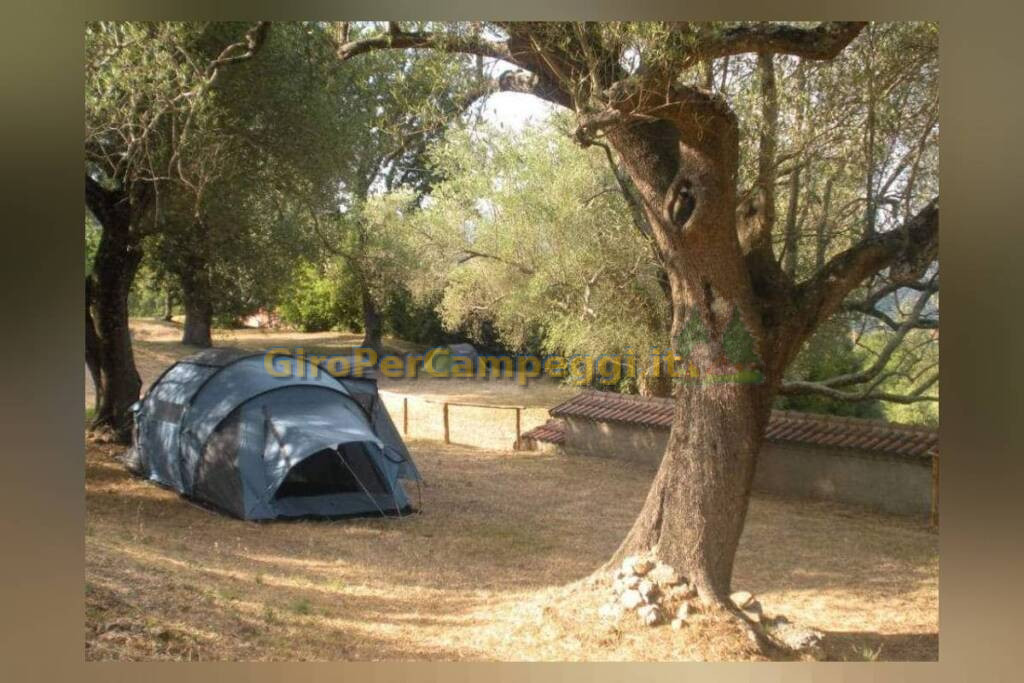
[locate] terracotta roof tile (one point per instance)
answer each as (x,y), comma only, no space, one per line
(785,425)
(552,431)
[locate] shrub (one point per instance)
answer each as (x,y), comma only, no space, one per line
(314,302)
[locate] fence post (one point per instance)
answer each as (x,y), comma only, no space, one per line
(447,439)
(405,416)
(519,423)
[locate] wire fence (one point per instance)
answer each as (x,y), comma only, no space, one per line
(496,427)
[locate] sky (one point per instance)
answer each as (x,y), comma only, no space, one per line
(512,109)
(515,110)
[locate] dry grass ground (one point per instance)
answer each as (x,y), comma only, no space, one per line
(495,567)
(502,537)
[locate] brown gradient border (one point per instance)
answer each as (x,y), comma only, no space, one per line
(42,570)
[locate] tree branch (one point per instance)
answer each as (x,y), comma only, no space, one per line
(884,355)
(757,214)
(915,396)
(244,49)
(396,39)
(887,320)
(867,306)
(98,198)
(628,193)
(824,41)
(470,254)
(530,79)
(910,248)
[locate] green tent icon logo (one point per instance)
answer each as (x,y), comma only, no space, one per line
(739,350)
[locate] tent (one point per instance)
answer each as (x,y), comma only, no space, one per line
(444,357)
(224,427)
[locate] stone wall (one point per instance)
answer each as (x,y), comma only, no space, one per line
(887,483)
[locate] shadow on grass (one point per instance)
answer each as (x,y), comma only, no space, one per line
(883,647)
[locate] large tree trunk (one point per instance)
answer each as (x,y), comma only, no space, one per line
(117,260)
(196,296)
(168,305)
(92,345)
(372,322)
(696,508)
(697,505)
(655,382)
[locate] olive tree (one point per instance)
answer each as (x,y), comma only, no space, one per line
(142,95)
(642,90)
(528,234)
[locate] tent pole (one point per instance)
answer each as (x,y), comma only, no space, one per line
(363,487)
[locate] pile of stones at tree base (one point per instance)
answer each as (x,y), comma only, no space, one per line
(657,594)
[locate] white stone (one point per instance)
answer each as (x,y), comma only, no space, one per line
(681,592)
(642,565)
(631,581)
(663,575)
(632,599)
(650,615)
(678,623)
(807,641)
(647,589)
(683,611)
(637,564)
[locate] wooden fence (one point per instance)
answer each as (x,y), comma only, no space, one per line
(465,423)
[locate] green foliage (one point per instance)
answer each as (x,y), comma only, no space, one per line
(92,240)
(135,80)
(240,161)
(413,320)
(530,236)
(830,352)
(394,105)
(245,224)
(314,302)
(916,357)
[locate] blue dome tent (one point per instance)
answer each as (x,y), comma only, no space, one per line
(221,428)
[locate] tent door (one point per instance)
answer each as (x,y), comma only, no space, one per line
(347,469)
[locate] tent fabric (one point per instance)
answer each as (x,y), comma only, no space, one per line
(221,428)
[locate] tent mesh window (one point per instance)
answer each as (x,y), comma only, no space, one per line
(346,470)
